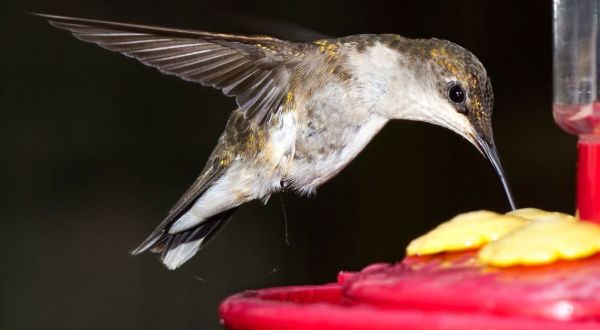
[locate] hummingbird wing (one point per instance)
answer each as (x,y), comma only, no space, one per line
(256,70)
(159,240)
(177,247)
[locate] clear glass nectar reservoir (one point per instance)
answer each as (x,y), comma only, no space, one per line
(576,48)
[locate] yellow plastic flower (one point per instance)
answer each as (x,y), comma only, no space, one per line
(543,241)
(521,237)
(532,214)
(465,232)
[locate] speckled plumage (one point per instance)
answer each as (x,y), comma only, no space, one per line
(305,109)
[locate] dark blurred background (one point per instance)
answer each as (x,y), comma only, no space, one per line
(95,148)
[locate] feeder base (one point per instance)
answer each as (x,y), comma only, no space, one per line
(443,292)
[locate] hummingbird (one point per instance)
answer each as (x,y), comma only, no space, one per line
(304,110)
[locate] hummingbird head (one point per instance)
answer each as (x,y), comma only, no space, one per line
(449,87)
(463,96)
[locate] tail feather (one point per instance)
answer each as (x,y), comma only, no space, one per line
(176,249)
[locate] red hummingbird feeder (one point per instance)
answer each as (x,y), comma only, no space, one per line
(447,292)
(455,290)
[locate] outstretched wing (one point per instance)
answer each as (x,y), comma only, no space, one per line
(214,169)
(255,70)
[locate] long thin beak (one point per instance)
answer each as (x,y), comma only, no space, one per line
(489,151)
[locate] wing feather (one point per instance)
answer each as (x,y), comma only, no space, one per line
(255,70)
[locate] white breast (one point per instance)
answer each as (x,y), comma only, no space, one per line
(307,174)
(333,128)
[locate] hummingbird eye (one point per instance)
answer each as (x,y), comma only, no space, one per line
(456,94)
